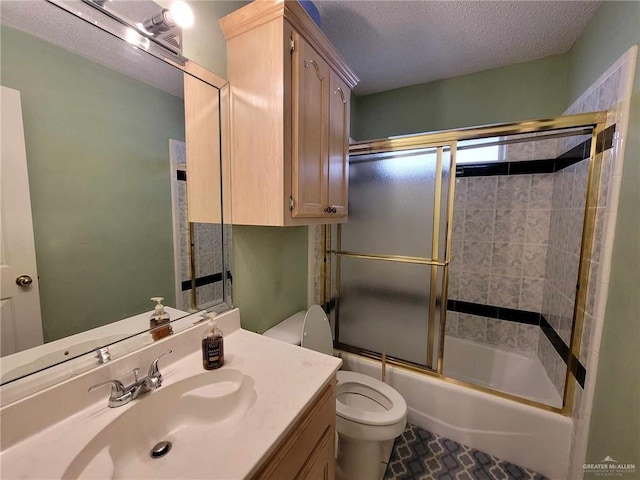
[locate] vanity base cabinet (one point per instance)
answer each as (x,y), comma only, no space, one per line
(308,449)
(290,99)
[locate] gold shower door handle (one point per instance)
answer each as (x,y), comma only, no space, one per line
(24,281)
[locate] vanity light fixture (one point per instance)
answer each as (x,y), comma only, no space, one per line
(162,29)
(179,14)
(158,23)
(135,39)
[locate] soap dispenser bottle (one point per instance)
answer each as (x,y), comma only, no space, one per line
(212,345)
(160,321)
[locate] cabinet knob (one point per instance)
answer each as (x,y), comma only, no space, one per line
(331,209)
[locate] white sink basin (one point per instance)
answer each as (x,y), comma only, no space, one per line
(184,414)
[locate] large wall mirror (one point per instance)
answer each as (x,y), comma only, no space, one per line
(104,167)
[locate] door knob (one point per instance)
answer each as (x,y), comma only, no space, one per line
(24,280)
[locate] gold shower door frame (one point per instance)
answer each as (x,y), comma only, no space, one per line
(593,123)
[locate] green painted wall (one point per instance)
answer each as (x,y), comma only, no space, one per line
(524,91)
(615,422)
(269,279)
(353,116)
(269,263)
(99,179)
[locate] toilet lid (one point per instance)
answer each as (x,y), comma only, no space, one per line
(316,332)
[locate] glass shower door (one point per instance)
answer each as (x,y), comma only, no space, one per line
(389,258)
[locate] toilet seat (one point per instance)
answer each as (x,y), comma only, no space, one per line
(360,399)
(392,407)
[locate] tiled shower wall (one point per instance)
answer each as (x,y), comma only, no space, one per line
(563,258)
(565,234)
(499,248)
(612,92)
(538,220)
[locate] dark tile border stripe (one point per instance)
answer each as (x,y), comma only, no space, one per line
(577,369)
(201,281)
(604,143)
(550,165)
(505,168)
(605,140)
(555,339)
(491,311)
(529,318)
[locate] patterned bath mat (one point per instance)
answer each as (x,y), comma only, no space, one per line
(422,455)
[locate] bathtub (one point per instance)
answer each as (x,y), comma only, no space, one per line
(524,435)
(520,374)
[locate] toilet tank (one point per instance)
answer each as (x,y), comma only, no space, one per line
(289,330)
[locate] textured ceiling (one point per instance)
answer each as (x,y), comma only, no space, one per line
(391,44)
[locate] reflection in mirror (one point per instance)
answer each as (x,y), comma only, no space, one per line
(97,147)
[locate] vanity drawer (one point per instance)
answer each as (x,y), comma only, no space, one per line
(308,449)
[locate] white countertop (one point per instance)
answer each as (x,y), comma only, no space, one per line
(286,377)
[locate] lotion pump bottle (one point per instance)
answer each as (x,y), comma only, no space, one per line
(160,321)
(212,345)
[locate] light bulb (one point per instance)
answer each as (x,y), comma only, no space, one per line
(181,14)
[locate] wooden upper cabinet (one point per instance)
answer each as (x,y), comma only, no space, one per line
(310,101)
(290,98)
(338,173)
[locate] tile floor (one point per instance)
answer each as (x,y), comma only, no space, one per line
(422,455)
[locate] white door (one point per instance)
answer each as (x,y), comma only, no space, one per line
(20,320)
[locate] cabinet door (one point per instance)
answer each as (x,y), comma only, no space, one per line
(202,124)
(321,463)
(310,136)
(338,175)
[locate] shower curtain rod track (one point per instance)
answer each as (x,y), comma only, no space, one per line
(508,141)
(434,139)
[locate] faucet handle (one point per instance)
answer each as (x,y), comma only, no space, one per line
(119,395)
(153,368)
(117,388)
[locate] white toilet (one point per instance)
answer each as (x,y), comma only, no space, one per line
(369,413)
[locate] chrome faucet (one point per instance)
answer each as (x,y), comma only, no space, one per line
(121,395)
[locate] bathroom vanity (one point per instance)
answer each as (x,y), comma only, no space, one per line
(269,412)
(308,449)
